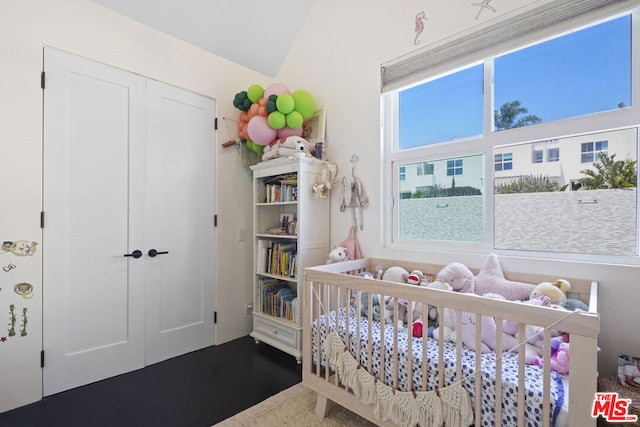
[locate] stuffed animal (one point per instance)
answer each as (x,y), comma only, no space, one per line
(574,304)
(288,147)
(338,254)
(559,361)
(375,305)
(436,284)
(395,274)
(488,330)
(490,279)
(556,291)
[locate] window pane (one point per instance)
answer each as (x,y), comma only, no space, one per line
(583,72)
(536,209)
(443,206)
(444,109)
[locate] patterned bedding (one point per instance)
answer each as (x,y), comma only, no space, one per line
(533,379)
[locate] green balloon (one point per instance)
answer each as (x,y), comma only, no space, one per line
(294,120)
(255,92)
(276,120)
(304,103)
(285,103)
(258,149)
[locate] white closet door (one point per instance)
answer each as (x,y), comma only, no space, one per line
(93,199)
(128,166)
(180,214)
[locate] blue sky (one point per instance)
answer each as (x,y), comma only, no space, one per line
(581,73)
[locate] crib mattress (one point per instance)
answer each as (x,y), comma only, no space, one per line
(533,374)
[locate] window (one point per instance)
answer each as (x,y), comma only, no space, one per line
(537,156)
(427,109)
(532,105)
(425,168)
(553,154)
(591,151)
(503,161)
(443,205)
(454,167)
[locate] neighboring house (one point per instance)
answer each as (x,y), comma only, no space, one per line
(562,159)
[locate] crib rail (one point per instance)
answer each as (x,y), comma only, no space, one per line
(335,287)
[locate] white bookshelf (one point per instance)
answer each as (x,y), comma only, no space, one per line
(277,319)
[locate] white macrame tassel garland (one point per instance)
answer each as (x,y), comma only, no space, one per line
(450,406)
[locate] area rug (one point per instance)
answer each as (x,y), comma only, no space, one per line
(294,406)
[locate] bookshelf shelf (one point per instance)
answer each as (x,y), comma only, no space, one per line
(291,232)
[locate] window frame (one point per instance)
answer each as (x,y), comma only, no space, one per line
(393,157)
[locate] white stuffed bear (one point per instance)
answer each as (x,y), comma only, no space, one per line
(338,254)
(288,147)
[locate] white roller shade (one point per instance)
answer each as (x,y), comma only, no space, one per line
(518,30)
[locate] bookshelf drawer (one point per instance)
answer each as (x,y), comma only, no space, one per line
(277,331)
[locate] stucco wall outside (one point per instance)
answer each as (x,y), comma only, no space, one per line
(583,221)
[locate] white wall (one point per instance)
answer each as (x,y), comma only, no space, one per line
(337,56)
(86,29)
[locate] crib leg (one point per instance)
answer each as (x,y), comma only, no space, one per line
(323,405)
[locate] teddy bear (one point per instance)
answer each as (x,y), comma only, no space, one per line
(490,279)
(288,147)
(338,254)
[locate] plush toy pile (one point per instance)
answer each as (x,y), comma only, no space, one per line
(490,282)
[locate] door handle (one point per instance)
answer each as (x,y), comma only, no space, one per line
(153,252)
(136,254)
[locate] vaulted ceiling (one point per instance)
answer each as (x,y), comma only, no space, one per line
(254,33)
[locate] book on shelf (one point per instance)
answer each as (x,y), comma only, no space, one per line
(281,192)
(276,298)
(278,258)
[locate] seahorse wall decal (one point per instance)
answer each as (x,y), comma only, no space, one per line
(420,18)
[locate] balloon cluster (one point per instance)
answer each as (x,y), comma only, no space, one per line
(271,113)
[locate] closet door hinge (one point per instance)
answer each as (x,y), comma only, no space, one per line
(215,220)
(42,80)
(42,359)
(42,219)
(215,124)
(215,317)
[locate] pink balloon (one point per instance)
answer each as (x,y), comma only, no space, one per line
(275,89)
(287,131)
(259,130)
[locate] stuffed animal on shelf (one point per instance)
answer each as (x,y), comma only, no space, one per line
(490,279)
(288,147)
(338,254)
(556,291)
